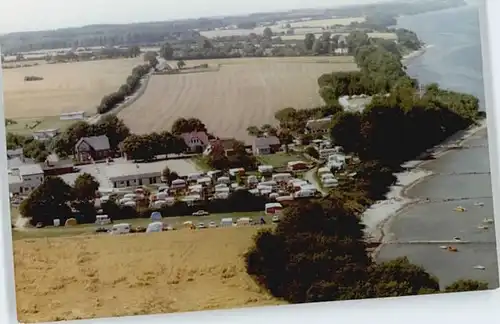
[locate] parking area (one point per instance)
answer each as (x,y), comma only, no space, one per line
(101,171)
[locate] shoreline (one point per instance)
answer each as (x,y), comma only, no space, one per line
(378,218)
(408,58)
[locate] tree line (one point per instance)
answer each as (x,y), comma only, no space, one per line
(110,101)
(111,126)
(55,199)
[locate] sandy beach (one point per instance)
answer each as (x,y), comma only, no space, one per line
(415,54)
(378,217)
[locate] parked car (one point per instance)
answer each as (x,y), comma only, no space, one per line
(167,227)
(201,225)
(200,213)
(275,219)
(101,230)
(212,225)
(140,229)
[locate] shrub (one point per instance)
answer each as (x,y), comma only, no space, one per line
(311,151)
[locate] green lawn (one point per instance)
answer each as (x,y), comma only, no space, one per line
(201,163)
(26,126)
(280,159)
(177,222)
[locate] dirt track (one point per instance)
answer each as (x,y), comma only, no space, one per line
(244,92)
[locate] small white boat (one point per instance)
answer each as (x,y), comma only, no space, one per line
(443,247)
(483,227)
(479,204)
(488,221)
(479,267)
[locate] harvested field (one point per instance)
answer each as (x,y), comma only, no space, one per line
(66,87)
(302,27)
(101,276)
(388,36)
(244,92)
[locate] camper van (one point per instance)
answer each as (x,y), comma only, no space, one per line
(120,229)
(102,220)
(266,169)
(305,194)
(154,227)
(204,181)
(178,184)
(226,222)
(252,180)
(214,173)
(330,183)
(284,198)
(156,216)
(273,208)
(194,176)
(324,154)
(272,184)
(224,180)
(237,171)
(282,177)
(323,170)
(244,221)
(130,204)
(327,176)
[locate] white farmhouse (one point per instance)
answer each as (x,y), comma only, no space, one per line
(24,179)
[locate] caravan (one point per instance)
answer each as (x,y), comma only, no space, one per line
(282,177)
(120,229)
(273,208)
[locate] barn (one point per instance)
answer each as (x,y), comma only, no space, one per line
(75,115)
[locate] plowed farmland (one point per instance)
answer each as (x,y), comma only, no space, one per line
(242,93)
(104,275)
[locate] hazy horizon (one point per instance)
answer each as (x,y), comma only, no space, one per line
(33,15)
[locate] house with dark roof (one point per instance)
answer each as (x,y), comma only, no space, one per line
(15,153)
(225,144)
(266,145)
(93,148)
(318,126)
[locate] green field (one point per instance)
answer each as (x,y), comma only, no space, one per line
(280,159)
(26,126)
(83,229)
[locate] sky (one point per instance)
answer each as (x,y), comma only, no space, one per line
(27,15)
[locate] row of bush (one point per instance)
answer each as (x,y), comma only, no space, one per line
(110,101)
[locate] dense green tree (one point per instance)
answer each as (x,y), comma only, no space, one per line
(309,41)
(166,51)
(314,242)
(85,187)
(183,125)
(48,202)
(267,33)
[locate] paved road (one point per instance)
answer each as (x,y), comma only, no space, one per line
(310,176)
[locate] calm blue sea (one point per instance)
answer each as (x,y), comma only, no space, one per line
(454,62)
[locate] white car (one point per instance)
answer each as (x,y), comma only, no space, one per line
(275,219)
(201,225)
(212,225)
(200,213)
